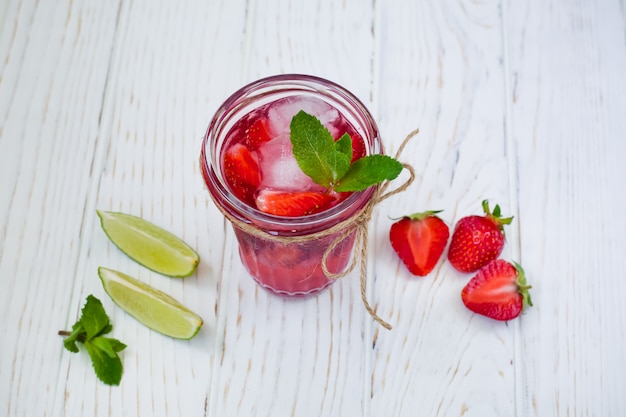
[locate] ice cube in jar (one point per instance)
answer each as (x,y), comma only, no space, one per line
(282,111)
(279,168)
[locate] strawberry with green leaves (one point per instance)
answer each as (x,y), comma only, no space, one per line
(499,291)
(419,240)
(477,240)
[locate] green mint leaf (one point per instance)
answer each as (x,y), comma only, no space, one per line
(328,162)
(368,171)
(108,345)
(70,345)
(78,335)
(340,164)
(344,145)
(106,329)
(88,330)
(106,363)
(94,319)
(315,150)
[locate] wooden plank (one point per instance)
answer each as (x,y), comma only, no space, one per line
(568,94)
(165,80)
(441,69)
(297,357)
(50,109)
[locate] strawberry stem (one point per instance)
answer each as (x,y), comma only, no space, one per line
(81,337)
(496,215)
(522,286)
(423,215)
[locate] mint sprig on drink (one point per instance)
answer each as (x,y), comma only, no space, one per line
(328,162)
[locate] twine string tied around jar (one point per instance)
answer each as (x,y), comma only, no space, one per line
(358,224)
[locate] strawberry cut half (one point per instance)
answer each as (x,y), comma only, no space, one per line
(419,240)
(257,134)
(499,291)
(292,204)
(241,169)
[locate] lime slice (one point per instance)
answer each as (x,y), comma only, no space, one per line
(151,307)
(148,244)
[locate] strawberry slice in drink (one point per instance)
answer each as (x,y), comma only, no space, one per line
(358,147)
(257,134)
(241,169)
(292,203)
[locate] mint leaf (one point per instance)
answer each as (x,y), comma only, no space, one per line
(315,150)
(328,162)
(106,363)
(105,330)
(108,345)
(94,318)
(94,323)
(344,145)
(78,334)
(368,171)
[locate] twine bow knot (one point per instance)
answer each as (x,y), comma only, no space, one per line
(358,224)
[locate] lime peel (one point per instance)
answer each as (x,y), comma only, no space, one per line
(150,306)
(149,245)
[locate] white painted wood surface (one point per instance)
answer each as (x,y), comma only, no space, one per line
(103,105)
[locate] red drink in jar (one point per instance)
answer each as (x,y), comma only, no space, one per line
(277,211)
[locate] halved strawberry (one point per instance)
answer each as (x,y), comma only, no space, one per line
(498,291)
(419,240)
(292,204)
(241,169)
(257,134)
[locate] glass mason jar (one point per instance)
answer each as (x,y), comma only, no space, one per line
(277,251)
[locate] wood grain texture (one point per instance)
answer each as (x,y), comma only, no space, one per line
(568,94)
(104,104)
(163,86)
(50,111)
(448,80)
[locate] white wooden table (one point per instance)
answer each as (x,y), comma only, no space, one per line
(103,105)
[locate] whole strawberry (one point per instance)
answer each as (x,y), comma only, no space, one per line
(498,291)
(419,240)
(477,240)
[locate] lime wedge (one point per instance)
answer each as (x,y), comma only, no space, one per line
(151,307)
(148,244)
